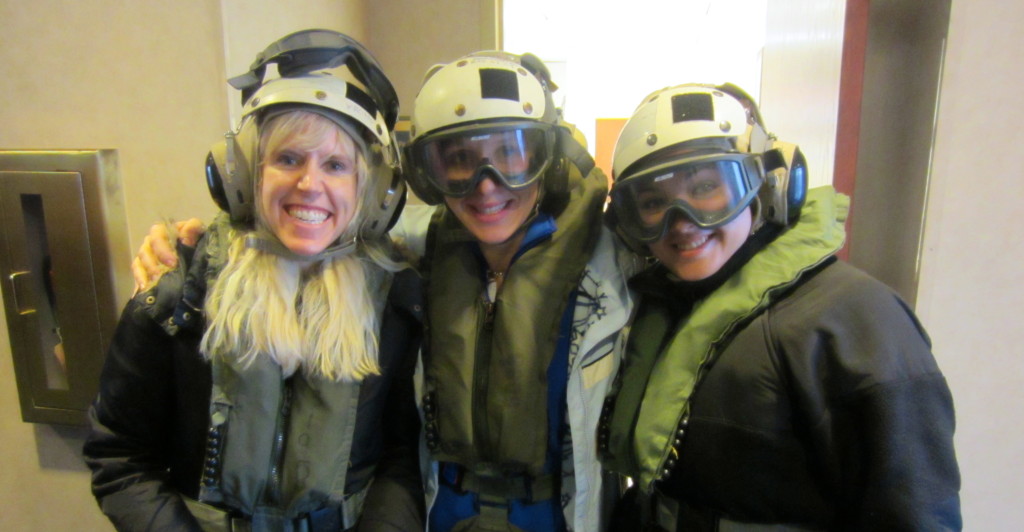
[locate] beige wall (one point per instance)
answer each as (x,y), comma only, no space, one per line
(800,78)
(141,77)
(409,36)
(903,65)
(971,295)
(250,25)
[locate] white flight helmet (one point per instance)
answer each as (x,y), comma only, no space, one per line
(700,151)
(485,95)
(360,100)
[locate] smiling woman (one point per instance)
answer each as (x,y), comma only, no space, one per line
(308,186)
(307,200)
(266,383)
(514,274)
(755,358)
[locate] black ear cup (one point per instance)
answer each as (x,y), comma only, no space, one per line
(556,187)
(567,152)
(796,189)
(785,184)
(557,180)
(611,221)
(214,182)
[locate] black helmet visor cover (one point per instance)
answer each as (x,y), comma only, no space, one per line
(308,50)
(708,190)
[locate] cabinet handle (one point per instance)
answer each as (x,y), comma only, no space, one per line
(14,290)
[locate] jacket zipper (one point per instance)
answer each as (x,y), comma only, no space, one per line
(274,495)
(481,428)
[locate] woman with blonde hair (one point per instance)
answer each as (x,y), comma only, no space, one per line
(249,388)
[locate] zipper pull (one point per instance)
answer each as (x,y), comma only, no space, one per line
(489,314)
(494,282)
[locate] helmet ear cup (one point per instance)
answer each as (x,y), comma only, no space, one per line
(556,187)
(556,179)
(385,209)
(418,180)
(796,186)
(214,170)
(230,173)
(556,182)
(396,212)
(611,218)
(785,184)
(611,221)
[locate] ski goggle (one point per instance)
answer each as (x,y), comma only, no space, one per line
(709,191)
(456,162)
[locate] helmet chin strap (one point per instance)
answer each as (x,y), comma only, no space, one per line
(757,221)
(269,243)
(534,212)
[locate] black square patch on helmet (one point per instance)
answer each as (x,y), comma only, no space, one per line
(360,98)
(499,83)
(692,106)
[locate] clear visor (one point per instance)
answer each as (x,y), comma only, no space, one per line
(455,163)
(709,191)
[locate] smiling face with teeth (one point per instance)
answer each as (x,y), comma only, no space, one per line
(309,182)
(493,212)
(692,253)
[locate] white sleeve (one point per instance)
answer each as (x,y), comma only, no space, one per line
(411,229)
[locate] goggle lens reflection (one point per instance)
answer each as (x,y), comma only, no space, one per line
(457,163)
(709,192)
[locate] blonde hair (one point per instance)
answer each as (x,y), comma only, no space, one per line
(321,317)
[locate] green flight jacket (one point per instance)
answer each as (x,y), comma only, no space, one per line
(486,367)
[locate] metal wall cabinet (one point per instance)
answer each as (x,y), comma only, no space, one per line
(64,261)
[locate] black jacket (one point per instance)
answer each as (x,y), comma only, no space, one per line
(795,391)
(149,423)
(826,411)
